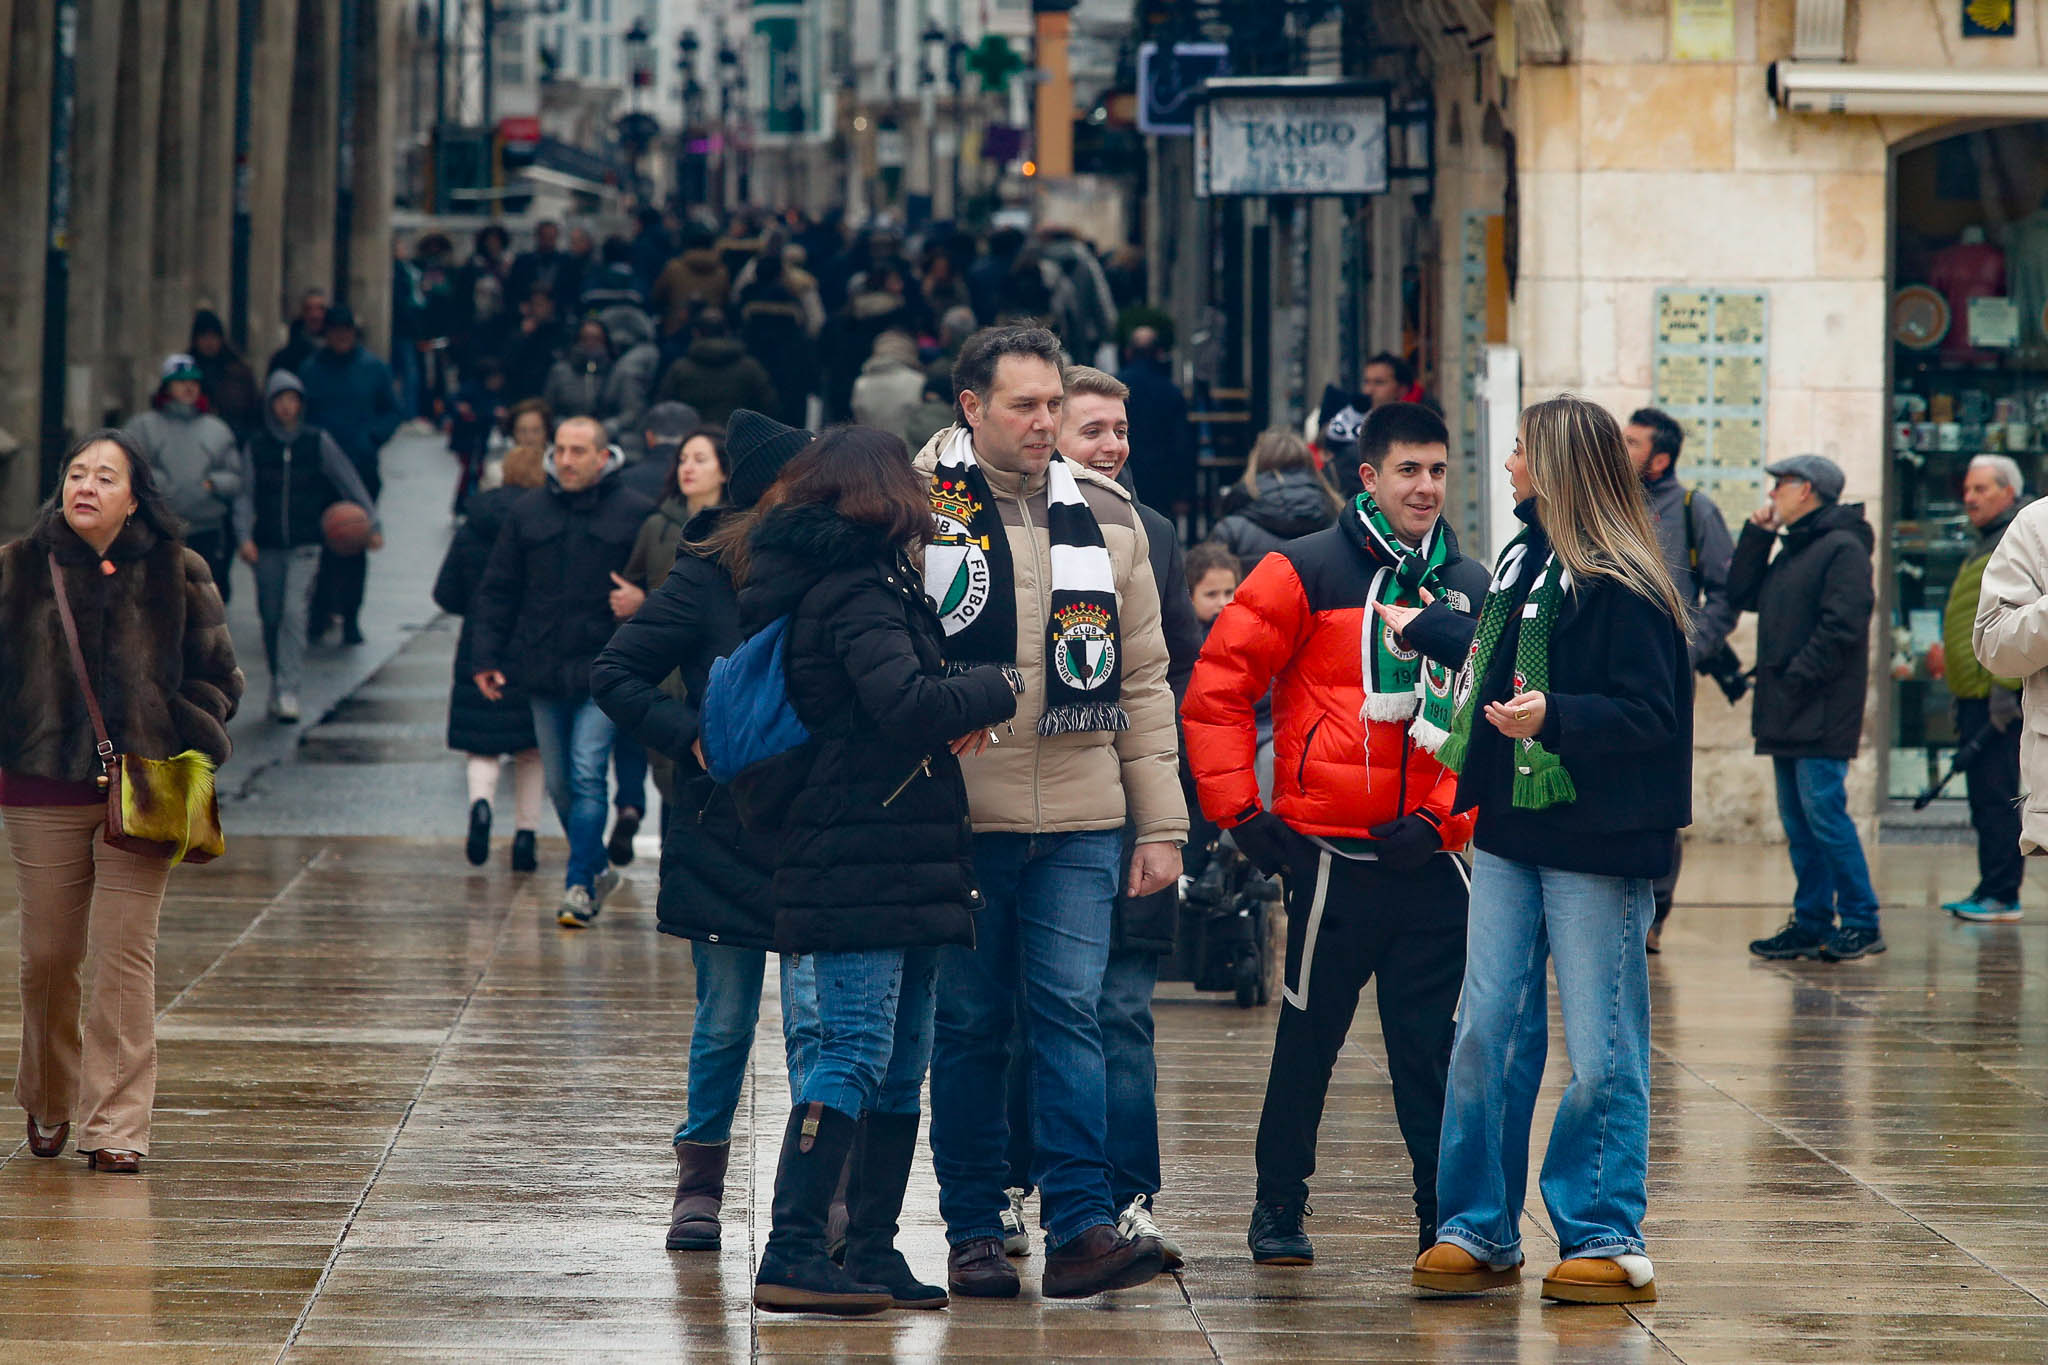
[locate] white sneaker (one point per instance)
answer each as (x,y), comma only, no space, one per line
(607,882)
(1136,1221)
(1016,1240)
(284,708)
(577,910)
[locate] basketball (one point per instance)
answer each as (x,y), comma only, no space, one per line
(347,528)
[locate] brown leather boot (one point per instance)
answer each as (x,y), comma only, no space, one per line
(1448,1268)
(1597,1279)
(700,1191)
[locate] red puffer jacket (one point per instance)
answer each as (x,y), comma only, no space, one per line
(1294,627)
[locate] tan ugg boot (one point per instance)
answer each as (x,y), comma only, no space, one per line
(1600,1279)
(1450,1269)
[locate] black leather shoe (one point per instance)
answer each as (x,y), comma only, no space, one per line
(525,856)
(1100,1260)
(979,1270)
(479,846)
(1277,1238)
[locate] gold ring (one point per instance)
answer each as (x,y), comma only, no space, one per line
(1522,713)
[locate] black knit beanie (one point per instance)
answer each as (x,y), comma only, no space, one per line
(756,448)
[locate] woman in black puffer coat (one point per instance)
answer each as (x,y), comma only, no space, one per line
(714,873)
(487,730)
(875,869)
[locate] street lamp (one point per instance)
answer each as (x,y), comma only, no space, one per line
(639,58)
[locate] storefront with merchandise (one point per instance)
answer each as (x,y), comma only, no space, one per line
(1968,340)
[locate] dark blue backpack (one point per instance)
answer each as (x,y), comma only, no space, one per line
(746,717)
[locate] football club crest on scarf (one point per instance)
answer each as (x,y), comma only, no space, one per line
(956,562)
(1084,646)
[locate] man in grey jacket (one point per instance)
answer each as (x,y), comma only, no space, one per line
(197,462)
(1697,550)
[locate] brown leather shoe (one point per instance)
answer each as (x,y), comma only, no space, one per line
(114,1161)
(1098,1260)
(47,1142)
(979,1270)
(1448,1268)
(1590,1279)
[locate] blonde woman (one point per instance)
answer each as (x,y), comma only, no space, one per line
(1573,738)
(1282,497)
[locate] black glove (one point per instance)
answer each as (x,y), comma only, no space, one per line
(1407,843)
(2005,708)
(1264,840)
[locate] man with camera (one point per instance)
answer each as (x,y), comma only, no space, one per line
(1697,550)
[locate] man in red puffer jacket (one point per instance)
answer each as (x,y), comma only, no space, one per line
(1360,828)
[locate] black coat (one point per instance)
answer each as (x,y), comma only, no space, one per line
(1619,716)
(543,610)
(876,850)
(714,874)
(1812,606)
(1288,506)
(1149,922)
(476,724)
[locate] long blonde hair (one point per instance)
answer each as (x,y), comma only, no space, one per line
(1591,500)
(1278,450)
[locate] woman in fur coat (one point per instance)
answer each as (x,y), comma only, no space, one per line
(155,640)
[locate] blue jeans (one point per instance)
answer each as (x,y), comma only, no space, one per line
(1043,932)
(1131,1080)
(1592,929)
(1827,855)
(575,741)
(875,1022)
(722,1032)
(1130,1083)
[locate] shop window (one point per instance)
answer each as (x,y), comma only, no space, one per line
(1969,353)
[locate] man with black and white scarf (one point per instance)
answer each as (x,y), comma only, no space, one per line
(1041,565)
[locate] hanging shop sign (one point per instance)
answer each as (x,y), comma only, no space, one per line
(1291,136)
(1710,365)
(1170,84)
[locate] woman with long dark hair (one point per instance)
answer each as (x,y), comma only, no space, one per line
(1573,738)
(714,873)
(874,871)
(157,653)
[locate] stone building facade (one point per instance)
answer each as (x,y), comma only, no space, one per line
(153,191)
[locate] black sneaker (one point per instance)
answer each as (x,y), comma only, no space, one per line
(1277,1237)
(479,846)
(620,848)
(1792,941)
(1846,944)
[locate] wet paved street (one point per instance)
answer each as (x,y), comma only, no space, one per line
(404,1116)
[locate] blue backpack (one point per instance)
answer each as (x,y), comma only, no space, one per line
(746,718)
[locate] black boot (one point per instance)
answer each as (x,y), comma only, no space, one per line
(796,1275)
(874,1201)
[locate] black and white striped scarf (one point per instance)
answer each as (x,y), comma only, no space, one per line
(972,582)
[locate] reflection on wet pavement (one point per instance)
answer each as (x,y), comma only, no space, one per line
(403,1116)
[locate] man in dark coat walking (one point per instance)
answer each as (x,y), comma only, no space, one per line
(542,613)
(1162,440)
(350,395)
(1813,604)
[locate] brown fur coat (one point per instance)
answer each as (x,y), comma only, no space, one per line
(156,643)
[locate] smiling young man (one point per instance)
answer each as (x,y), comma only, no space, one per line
(1361,826)
(1041,564)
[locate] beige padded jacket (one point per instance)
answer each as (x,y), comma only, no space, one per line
(2011,636)
(1033,785)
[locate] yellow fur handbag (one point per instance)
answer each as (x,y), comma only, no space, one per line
(158,807)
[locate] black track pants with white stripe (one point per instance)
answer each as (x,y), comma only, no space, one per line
(1348,922)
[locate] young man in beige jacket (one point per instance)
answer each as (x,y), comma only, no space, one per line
(1041,565)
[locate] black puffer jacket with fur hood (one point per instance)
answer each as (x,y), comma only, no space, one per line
(155,639)
(876,849)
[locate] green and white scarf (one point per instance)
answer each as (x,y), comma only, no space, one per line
(1399,682)
(1541,780)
